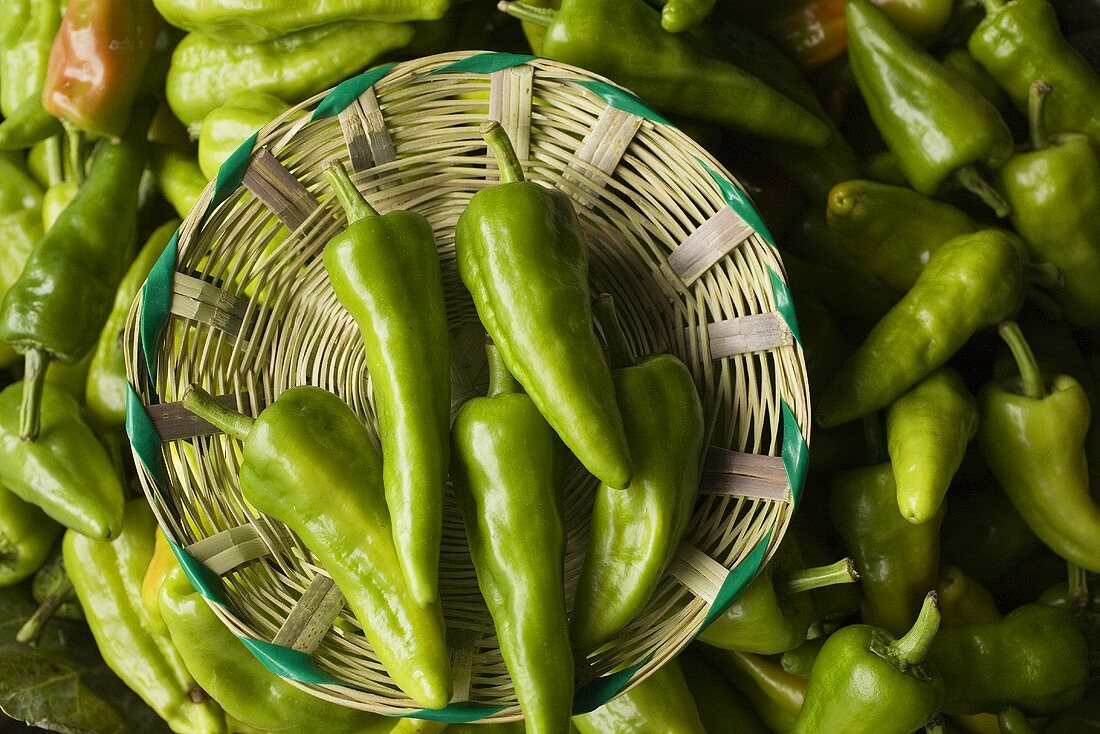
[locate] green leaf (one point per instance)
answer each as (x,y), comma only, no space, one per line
(63,685)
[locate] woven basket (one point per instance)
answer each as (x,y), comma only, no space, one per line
(241,305)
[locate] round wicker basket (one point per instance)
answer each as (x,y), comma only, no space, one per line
(241,305)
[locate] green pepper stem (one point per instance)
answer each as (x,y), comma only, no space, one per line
(912,648)
(501,381)
(55,168)
(1030,377)
(992,6)
(32,629)
(1036,103)
(35,364)
(528,13)
(1011,720)
(350,198)
(207,407)
(618,351)
(807,579)
(500,145)
(1044,275)
(972,181)
(75,139)
(1077,591)
(935,726)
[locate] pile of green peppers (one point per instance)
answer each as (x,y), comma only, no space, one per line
(931,172)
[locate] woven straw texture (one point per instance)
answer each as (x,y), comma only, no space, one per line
(249,313)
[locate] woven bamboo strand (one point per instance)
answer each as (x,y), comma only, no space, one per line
(698,572)
(277,187)
(755,333)
(712,241)
(600,152)
(510,92)
(312,617)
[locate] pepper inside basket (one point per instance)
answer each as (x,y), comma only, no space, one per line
(241,305)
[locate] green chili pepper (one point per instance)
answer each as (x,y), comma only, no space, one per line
(1080,600)
(523,257)
(963,600)
(20,229)
(962,63)
(232,676)
(773,613)
(53,590)
(1033,441)
(800,660)
(1054,191)
(776,694)
(1020,43)
(722,708)
(660,703)
(927,430)
(26,37)
(633,534)
(891,230)
(58,306)
(1013,721)
(26,536)
(233,22)
(971,282)
(856,299)
(1034,659)
(678,16)
(624,40)
(866,680)
(179,178)
(883,167)
(205,72)
(309,438)
(934,121)
(105,392)
(897,560)
(385,271)
(56,198)
(160,565)
(28,124)
(107,577)
(506,482)
(67,473)
(225,127)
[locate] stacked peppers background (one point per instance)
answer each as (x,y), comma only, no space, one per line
(930,169)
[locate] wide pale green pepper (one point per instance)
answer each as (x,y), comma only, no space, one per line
(66,472)
(661,703)
(264,20)
(20,229)
(205,73)
(310,438)
(26,37)
(26,536)
(227,126)
(635,531)
(107,577)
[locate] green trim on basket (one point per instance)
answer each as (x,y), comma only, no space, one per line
(156,299)
(484,63)
(348,91)
(231,174)
(459,712)
(740,203)
(796,454)
(784,303)
(146,442)
(286,662)
(621,99)
(204,581)
(596,693)
(736,580)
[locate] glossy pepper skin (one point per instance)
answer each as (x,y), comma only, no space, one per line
(1034,442)
(385,272)
(310,438)
(26,536)
(892,230)
(1020,43)
(66,472)
(660,703)
(105,389)
(634,532)
(523,257)
(897,559)
(669,70)
(1054,191)
(179,178)
(1034,659)
(505,475)
(232,676)
(227,126)
(722,708)
(776,694)
(973,281)
(56,309)
(107,578)
(233,22)
(160,565)
(866,681)
(204,73)
(25,40)
(20,229)
(773,613)
(97,63)
(934,121)
(962,63)
(927,431)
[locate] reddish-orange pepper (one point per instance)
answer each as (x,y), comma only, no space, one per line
(812,31)
(97,61)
